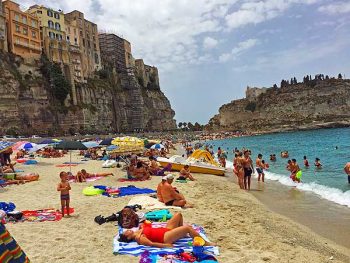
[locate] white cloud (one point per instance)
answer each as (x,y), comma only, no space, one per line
(209,43)
(254,12)
(335,8)
(238,50)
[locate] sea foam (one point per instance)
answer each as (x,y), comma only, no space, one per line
(332,194)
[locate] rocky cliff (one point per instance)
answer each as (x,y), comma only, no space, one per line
(107,103)
(317,104)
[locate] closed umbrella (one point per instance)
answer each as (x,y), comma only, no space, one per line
(91,144)
(70,145)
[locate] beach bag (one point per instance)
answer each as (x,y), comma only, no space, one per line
(128,218)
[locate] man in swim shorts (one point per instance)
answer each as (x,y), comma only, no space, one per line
(260,167)
(347,170)
(248,169)
(171,197)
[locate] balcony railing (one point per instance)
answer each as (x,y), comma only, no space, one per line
(23,44)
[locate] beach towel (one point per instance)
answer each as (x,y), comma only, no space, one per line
(10,251)
(30,162)
(150,203)
(135,249)
(90,179)
(72,163)
(19,171)
(65,165)
(147,257)
(7,207)
(133,190)
(42,215)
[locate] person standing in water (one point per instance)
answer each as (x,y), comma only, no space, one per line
(306,162)
(296,171)
(347,170)
(259,167)
(248,169)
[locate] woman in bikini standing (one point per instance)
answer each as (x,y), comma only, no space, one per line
(239,169)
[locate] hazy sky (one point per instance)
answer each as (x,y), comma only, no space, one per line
(209,51)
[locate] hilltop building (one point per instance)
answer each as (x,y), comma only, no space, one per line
(3,36)
(87,40)
(52,31)
(23,31)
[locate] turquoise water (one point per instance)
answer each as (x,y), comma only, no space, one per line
(330,182)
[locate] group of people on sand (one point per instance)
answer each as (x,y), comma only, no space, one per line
(48,152)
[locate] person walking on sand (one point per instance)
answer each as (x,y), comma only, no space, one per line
(248,169)
(64,188)
(347,171)
(260,167)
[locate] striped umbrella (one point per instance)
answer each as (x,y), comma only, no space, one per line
(157,146)
(4,145)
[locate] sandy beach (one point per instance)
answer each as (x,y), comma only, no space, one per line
(244,229)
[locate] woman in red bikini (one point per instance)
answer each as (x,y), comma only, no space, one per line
(160,237)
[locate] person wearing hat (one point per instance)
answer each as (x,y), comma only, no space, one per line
(159,187)
(170,196)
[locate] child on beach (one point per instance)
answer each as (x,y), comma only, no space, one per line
(64,188)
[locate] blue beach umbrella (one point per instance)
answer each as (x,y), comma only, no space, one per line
(91,144)
(112,147)
(157,146)
(4,145)
(28,146)
(107,141)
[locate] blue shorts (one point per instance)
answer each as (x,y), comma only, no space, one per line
(259,170)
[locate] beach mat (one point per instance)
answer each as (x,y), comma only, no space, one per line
(124,191)
(10,251)
(135,249)
(150,203)
(50,214)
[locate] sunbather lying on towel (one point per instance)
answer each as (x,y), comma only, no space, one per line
(21,179)
(160,237)
(87,175)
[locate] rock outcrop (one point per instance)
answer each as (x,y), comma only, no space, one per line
(109,102)
(317,104)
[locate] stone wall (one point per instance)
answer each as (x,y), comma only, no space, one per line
(324,103)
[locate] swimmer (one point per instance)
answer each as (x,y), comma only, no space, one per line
(260,168)
(296,171)
(318,164)
(306,162)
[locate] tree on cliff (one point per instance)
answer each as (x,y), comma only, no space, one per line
(340,76)
(180,125)
(197,127)
(59,86)
(190,126)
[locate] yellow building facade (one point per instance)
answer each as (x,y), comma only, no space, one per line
(23,31)
(88,42)
(53,34)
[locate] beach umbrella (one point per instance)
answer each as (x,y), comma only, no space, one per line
(4,145)
(107,141)
(112,147)
(70,145)
(27,146)
(18,144)
(91,144)
(37,147)
(50,141)
(157,146)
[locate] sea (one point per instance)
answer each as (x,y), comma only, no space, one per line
(331,146)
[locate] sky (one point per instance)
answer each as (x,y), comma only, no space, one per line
(208,51)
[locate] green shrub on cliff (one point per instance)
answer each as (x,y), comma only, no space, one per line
(59,86)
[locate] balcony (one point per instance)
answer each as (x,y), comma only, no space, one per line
(27,45)
(74,49)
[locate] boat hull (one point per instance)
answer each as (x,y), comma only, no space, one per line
(194,168)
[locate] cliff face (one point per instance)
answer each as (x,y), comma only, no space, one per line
(323,103)
(111,103)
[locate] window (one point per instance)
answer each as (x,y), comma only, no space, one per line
(17,17)
(96,59)
(34,23)
(51,35)
(25,31)
(57,26)
(75,41)
(81,33)
(49,13)
(24,19)
(33,34)
(39,12)
(59,37)
(18,29)
(57,15)
(51,24)
(68,39)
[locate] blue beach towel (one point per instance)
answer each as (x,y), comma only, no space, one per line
(135,249)
(30,162)
(7,207)
(133,190)
(19,171)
